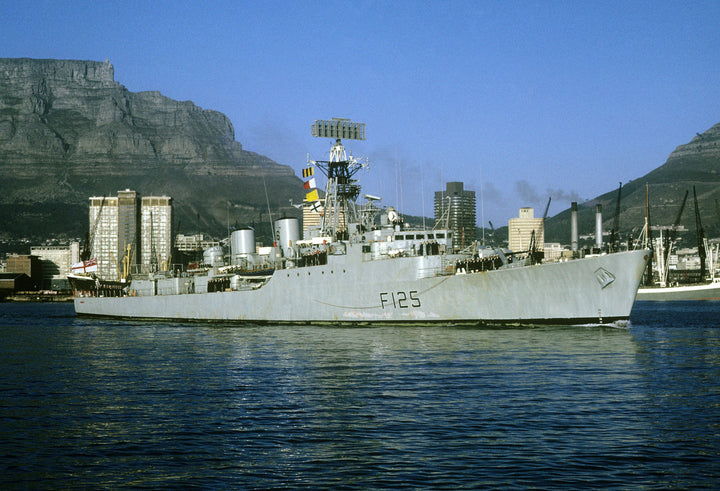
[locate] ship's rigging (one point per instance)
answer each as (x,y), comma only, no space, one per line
(341,189)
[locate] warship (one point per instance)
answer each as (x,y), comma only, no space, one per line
(361,265)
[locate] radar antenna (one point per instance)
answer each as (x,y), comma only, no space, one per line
(341,189)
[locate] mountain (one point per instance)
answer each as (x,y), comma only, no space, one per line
(69,131)
(696,163)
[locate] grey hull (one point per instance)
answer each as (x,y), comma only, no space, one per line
(710,291)
(418,289)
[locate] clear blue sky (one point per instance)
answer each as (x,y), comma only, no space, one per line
(520,100)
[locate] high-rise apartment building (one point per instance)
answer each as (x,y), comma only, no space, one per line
(455,209)
(156,232)
(520,231)
(128,229)
(103,218)
(128,210)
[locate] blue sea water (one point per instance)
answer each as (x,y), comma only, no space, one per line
(87,403)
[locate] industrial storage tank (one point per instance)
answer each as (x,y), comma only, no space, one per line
(242,243)
(287,233)
(213,256)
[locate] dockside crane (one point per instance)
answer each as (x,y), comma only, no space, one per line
(700,236)
(648,237)
(672,233)
(615,232)
(547,207)
(676,223)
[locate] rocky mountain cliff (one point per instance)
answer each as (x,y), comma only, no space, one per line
(69,131)
(696,163)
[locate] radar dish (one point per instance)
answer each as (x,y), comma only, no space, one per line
(338,128)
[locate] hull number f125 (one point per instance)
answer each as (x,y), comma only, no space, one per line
(400,300)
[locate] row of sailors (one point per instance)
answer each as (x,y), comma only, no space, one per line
(428,249)
(220,284)
(315,258)
(478,264)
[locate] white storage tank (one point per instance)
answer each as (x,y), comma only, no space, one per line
(287,233)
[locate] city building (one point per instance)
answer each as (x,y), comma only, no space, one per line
(103,235)
(520,231)
(127,230)
(129,233)
(15,282)
(26,264)
(553,252)
(455,209)
(193,243)
(56,262)
(311,217)
(156,233)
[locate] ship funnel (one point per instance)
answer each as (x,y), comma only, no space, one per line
(573,226)
(598,226)
(287,233)
(242,244)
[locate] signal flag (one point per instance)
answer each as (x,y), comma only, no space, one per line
(312,195)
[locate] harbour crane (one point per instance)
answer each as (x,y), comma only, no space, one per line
(615,232)
(547,207)
(700,236)
(672,234)
(666,244)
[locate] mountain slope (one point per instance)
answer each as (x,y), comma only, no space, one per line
(69,131)
(696,163)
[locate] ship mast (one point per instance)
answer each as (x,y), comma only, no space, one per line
(341,189)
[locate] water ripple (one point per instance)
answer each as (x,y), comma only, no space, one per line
(111,404)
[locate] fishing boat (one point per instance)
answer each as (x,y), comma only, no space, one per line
(362,265)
